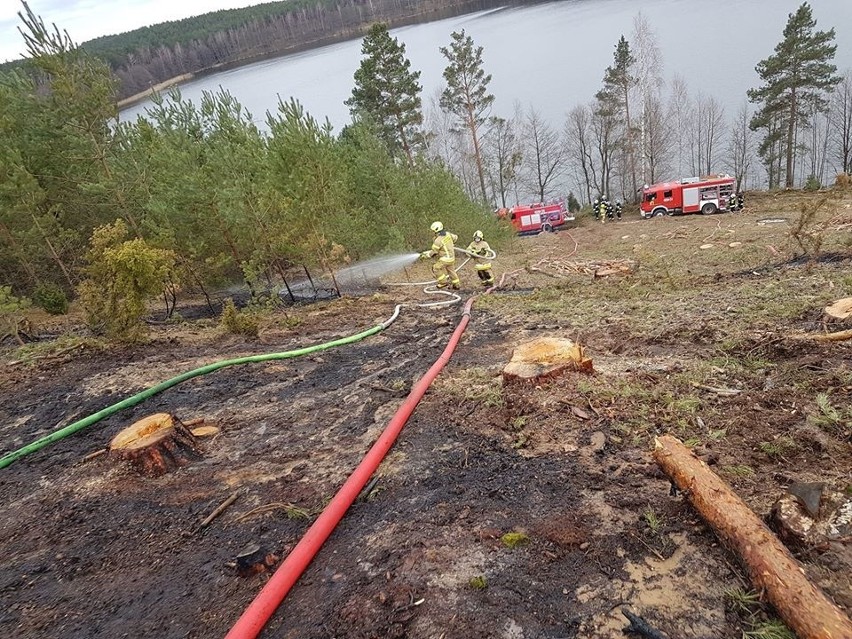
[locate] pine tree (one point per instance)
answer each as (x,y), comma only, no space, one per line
(617,82)
(796,80)
(466,95)
(387,92)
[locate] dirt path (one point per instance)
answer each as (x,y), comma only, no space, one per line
(94,550)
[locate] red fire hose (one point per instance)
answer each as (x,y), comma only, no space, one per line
(259,611)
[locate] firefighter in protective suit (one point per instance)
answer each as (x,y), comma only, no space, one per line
(732,202)
(443,248)
(480,249)
(603,208)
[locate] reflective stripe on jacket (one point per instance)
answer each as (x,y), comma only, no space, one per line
(443,247)
(480,251)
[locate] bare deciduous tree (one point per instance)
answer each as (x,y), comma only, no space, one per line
(679,116)
(505,157)
(707,133)
(545,155)
(741,147)
(578,138)
(650,83)
(658,141)
(842,123)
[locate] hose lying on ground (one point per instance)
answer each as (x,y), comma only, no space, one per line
(431,289)
(40,443)
(285,577)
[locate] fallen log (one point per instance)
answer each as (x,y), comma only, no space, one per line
(155,445)
(838,336)
(772,568)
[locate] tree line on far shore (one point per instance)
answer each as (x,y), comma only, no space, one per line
(148,56)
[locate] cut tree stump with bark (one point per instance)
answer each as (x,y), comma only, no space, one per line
(155,445)
(802,606)
(839,311)
(545,358)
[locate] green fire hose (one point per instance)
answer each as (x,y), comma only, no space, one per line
(15,455)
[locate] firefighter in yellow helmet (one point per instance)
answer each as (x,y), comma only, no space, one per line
(443,248)
(480,249)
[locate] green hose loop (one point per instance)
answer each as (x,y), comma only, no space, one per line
(15,455)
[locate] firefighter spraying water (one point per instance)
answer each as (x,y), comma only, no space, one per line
(443,250)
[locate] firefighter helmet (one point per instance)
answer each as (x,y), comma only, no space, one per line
(437,227)
(477,237)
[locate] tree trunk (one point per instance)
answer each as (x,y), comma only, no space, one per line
(478,153)
(770,565)
(155,445)
(791,130)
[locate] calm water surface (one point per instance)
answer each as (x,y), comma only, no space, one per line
(551,56)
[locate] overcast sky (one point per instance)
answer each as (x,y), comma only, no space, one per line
(87,19)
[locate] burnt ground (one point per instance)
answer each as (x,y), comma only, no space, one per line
(91,549)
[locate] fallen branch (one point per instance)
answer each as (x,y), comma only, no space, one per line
(723,392)
(97,453)
(838,336)
(771,567)
(219,510)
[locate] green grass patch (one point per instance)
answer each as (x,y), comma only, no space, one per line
(515,539)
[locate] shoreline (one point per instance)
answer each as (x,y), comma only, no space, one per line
(351,33)
(156,88)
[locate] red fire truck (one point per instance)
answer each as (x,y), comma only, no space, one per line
(707,195)
(529,219)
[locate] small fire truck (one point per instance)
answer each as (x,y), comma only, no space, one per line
(706,195)
(529,219)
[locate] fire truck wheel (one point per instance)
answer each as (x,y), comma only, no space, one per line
(709,209)
(659,212)
(547,228)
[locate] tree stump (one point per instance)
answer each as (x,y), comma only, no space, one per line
(155,445)
(839,311)
(545,358)
(254,560)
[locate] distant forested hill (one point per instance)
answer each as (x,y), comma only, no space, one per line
(150,55)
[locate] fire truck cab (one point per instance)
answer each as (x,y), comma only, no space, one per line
(529,219)
(706,195)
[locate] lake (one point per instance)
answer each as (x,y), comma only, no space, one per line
(551,56)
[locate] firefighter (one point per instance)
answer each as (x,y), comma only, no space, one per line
(443,248)
(732,202)
(740,201)
(618,208)
(603,207)
(480,249)
(596,205)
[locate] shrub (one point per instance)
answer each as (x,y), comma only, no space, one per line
(812,183)
(51,298)
(237,322)
(843,180)
(122,275)
(12,314)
